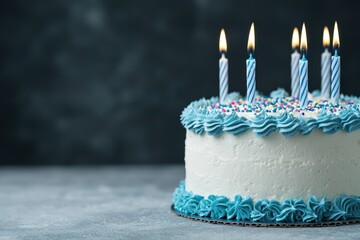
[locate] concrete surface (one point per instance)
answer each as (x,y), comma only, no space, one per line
(129,202)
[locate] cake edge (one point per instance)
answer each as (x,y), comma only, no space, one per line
(244,209)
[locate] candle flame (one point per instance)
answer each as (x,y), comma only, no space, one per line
(222,41)
(251,40)
(326,37)
(303,41)
(295,39)
(336,39)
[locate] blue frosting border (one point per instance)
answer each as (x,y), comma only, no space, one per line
(198,119)
(244,209)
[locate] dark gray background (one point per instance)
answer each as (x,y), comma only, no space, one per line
(95,82)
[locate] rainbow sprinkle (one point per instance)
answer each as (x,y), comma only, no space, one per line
(280,105)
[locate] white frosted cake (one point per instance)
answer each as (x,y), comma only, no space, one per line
(272,162)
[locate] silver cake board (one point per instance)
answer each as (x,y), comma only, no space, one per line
(254,224)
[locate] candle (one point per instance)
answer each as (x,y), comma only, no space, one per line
(325,65)
(250,67)
(303,69)
(335,66)
(295,57)
(223,68)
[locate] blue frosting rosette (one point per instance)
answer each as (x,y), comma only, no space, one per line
(244,209)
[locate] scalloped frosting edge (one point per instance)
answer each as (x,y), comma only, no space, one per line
(244,209)
(197,118)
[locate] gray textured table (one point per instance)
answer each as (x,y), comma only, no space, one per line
(115,203)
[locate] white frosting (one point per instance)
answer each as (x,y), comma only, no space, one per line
(273,167)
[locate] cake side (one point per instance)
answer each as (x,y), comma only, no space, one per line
(275,167)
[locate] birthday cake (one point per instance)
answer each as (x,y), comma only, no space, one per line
(273,161)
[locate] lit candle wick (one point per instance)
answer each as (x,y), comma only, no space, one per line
(335,67)
(223,68)
(295,57)
(326,65)
(250,68)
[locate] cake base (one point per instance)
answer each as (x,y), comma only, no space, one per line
(254,224)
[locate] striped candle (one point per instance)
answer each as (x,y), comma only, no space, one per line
(250,79)
(223,76)
(295,57)
(295,85)
(325,73)
(335,77)
(303,70)
(250,68)
(335,67)
(325,66)
(303,66)
(223,68)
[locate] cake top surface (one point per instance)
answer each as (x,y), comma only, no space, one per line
(279,102)
(268,114)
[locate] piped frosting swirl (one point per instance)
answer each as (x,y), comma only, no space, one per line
(268,115)
(244,209)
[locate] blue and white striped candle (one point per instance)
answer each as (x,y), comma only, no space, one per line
(303,66)
(250,79)
(335,67)
(303,70)
(326,66)
(250,68)
(223,68)
(295,57)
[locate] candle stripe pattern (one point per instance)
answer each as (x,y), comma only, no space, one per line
(295,85)
(335,78)
(325,74)
(303,83)
(223,76)
(250,77)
